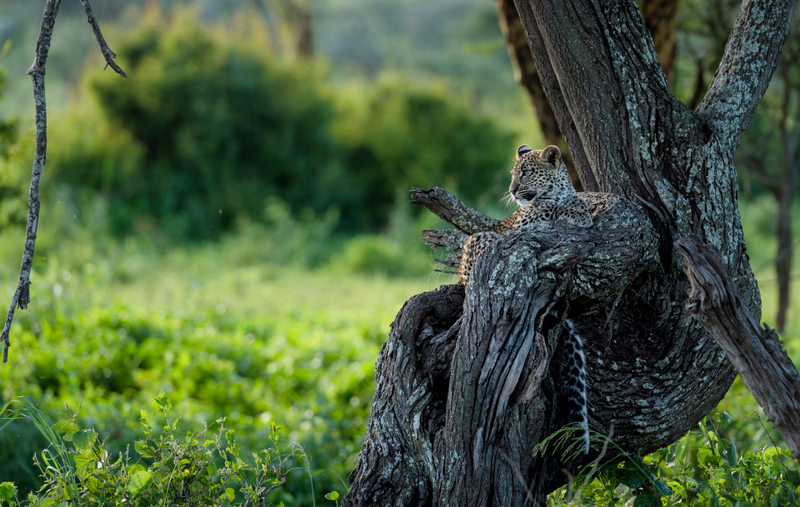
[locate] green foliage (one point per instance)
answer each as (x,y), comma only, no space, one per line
(11,185)
(377,255)
(204,129)
(258,342)
(705,467)
(201,468)
(401,135)
(210,125)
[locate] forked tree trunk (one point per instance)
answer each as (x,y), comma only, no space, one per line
(470,382)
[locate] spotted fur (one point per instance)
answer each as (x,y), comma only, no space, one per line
(541,187)
(576,378)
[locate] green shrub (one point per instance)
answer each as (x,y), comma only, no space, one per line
(206,126)
(209,125)
(381,255)
(399,134)
(165,468)
(705,467)
(13,188)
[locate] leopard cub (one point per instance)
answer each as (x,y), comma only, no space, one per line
(541,187)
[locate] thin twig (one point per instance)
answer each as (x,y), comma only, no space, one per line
(21,296)
(107,53)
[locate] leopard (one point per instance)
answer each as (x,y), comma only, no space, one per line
(540,185)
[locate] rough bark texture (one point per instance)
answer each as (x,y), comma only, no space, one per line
(462,383)
(661,20)
(653,371)
(525,74)
(754,351)
(21,296)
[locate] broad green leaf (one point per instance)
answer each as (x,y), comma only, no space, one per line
(136,467)
(84,438)
(7,490)
(333,496)
(630,478)
(142,448)
(67,428)
(731,455)
(647,500)
(138,481)
(85,463)
(228,495)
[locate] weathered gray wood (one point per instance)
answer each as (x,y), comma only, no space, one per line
(755,352)
(452,210)
(653,371)
(498,386)
(21,296)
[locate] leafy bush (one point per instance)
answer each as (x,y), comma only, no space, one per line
(209,125)
(399,134)
(380,255)
(12,183)
(705,467)
(202,131)
(194,469)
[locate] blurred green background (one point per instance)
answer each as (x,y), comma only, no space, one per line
(230,224)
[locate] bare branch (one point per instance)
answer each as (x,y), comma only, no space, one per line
(750,57)
(452,210)
(107,53)
(21,296)
(755,352)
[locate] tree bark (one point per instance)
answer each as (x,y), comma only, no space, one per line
(661,20)
(653,372)
(754,351)
(526,75)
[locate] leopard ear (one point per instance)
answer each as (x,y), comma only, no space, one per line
(551,155)
(522,150)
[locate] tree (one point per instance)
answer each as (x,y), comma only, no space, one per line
(660,19)
(470,381)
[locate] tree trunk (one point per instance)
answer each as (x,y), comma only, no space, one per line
(661,20)
(525,74)
(653,372)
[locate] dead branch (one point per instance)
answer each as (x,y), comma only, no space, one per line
(755,352)
(107,53)
(452,210)
(21,296)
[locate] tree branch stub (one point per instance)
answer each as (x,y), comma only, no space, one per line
(108,54)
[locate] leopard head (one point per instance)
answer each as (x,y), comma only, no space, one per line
(539,174)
